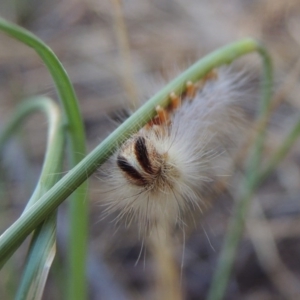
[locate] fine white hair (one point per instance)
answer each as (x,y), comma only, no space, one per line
(195,148)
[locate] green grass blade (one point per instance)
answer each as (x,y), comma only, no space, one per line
(281,152)
(237,222)
(78,205)
(39,260)
(276,158)
(43,245)
(56,195)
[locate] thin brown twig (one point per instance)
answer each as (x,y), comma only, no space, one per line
(127,78)
(268,255)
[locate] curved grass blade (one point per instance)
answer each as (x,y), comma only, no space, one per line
(237,222)
(78,205)
(43,244)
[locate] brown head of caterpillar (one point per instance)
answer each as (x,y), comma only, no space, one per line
(140,162)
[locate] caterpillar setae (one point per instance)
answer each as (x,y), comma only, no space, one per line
(159,172)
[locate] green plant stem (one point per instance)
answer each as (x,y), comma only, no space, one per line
(237,222)
(55,196)
(42,248)
(281,152)
(43,245)
(236,231)
(23,111)
(39,260)
(78,205)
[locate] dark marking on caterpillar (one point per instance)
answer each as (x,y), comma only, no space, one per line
(142,155)
(130,171)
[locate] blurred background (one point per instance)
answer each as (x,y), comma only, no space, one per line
(162,35)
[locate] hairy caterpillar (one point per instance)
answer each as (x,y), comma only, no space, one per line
(158,174)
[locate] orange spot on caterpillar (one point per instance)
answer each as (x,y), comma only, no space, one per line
(190,90)
(175,101)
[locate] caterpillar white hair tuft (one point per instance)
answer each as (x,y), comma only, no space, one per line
(159,173)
